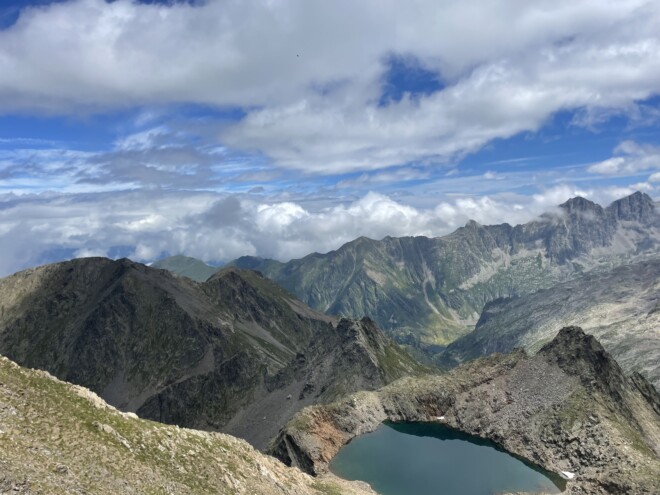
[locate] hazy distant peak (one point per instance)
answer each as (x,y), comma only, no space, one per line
(637,207)
(580,204)
(187,266)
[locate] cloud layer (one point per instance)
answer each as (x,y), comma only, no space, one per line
(282,127)
(310,76)
(218,227)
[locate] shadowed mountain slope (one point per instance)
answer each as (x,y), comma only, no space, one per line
(173,350)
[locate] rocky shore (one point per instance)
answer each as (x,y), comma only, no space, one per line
(568,408)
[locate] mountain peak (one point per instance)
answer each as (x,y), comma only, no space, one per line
(582,355)
(579,204)
(637,207)
(188,267)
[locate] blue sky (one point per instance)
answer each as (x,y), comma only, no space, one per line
(219,128)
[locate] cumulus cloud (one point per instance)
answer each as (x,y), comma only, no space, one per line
(38,228)
(630,158)
(310,76)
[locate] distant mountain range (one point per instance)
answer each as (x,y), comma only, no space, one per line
(431,291)
(188,267)
(621,307)
(236,353)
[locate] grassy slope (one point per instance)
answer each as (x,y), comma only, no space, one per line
(60,439)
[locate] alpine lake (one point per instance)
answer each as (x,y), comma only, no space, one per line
(433,459)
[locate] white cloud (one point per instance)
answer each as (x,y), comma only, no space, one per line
(631,158)
(309,73)
(37,228)
(90,253)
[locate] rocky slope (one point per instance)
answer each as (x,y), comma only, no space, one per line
(209,356)
(56,438)
(188,267)
(570,408)
(621,307)
(433,290)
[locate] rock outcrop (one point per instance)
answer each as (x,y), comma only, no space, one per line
(568,408)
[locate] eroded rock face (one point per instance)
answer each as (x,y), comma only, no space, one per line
(568,408)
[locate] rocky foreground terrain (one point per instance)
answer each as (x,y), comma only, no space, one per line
(569,408)
(620,307)
(56,438)
(236,354)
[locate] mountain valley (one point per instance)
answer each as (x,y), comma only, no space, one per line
(621,307)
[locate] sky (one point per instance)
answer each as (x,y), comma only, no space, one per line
(277,128)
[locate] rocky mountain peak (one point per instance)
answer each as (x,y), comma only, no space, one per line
(472,224)
(579,204)
(572,345)
(363,332)
(581,355)
(638,207)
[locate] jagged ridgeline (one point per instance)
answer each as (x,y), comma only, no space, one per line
(236,353)
(432,290)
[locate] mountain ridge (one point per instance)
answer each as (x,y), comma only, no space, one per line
(618,306)
(178,351)
(58,438)
(431,291)
(186,266)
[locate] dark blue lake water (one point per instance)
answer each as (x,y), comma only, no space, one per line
(432,459)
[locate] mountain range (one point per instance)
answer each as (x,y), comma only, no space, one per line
(431,291)
(621,307)
(236,352)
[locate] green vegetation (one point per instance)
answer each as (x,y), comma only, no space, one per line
(57,439)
